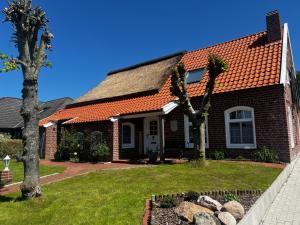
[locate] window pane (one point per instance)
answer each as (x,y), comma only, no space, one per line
(126,134)
(239,114)
(235,133)
(247,133)
(153,128)
(191,134)
(233,115)
(247,114)
(195,76)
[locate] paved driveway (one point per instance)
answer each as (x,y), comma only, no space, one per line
(285,210)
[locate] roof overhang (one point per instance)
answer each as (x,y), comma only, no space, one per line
(48,124)
(286,44)
(166,109)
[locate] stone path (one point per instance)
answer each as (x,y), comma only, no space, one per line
(285,210)
(72,169)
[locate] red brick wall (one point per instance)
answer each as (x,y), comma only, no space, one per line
(50,142)
(270,121)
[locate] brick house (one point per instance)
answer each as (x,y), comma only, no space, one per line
(254,104)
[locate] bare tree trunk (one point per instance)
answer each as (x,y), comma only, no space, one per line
(202,141)
(31,184)
(199,140)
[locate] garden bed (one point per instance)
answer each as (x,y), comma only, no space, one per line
(167,216)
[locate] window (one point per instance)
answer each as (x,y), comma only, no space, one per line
(96,139)
(188,132)
(291,128)
(80,139)
(128,135)
(240,128)
(195,76)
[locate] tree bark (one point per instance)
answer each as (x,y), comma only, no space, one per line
(31,184)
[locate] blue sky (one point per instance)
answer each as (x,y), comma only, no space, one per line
(95,37)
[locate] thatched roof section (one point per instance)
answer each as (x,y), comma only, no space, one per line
(147,76)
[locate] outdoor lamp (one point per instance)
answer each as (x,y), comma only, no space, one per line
(6,161)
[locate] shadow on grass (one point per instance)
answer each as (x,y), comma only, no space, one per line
(11,199)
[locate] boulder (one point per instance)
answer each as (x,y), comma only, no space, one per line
(187,210)
(234,208)
(204,218)
(210,203)
(226,218)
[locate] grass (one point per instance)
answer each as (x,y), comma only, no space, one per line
(117,197)
(17,169)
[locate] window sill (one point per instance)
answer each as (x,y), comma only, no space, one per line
(241,146)
(127,146)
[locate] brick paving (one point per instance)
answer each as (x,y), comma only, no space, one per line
(285,210)
(72,169)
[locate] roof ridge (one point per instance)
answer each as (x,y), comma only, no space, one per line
(226,42)
(58,99)
(10,98)
(147,62)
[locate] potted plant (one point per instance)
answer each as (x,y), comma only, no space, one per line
(152,154)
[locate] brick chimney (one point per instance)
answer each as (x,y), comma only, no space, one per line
(274,28)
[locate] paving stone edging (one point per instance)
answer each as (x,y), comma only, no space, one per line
(261,206)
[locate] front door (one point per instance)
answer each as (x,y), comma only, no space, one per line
(151,134)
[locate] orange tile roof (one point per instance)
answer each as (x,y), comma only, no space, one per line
(253,63)
(105,110)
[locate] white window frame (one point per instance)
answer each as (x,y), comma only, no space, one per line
(132,136)
(291,127)
(227,127)
(187,125)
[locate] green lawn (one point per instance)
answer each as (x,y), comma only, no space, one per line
(17,169)
(117,197)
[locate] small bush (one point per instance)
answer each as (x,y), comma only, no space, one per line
(101,153)
(11,147)
(231,197)
(265,155)
(217,155)
(168,202)
(191,196)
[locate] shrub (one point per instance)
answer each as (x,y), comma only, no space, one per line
(11,147)
(74,157)
(168,202)
(191,196)
(217,155)
(265,155)
(231,197)
(100,154)
(67,147)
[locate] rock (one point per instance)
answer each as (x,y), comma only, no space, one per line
(235,209)
(226,218)
(204,218)
(210,203)
(187,210)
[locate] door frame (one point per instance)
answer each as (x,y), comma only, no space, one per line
(146,131)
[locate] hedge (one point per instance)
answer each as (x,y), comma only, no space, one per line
(11,147)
